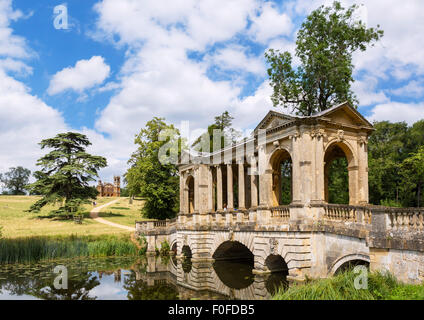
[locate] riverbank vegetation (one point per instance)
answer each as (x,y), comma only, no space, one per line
(33,249)
(342,287)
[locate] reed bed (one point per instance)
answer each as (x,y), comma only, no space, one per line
(32,249)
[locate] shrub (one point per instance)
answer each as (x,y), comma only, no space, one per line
(164,248)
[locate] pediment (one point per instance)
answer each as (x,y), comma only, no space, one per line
(346,115)
(273,119)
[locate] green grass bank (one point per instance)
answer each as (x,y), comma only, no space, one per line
(342,287)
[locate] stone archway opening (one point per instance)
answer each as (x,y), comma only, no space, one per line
(279,272)
(234,264)
(190,195)
(276,263)
(233,250)
(174,248)
(282,185)
(186,251)
(338,181)
(349,265)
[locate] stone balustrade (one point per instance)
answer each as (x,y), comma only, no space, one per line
(406,219)
(145,226)
(280,212)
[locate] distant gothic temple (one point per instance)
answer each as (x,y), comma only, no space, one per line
(109,189)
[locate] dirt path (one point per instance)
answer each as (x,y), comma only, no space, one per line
(94,214)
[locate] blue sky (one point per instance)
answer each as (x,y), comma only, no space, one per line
(122,62)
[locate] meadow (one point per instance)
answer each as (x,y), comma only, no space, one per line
(122,212)
(17,223)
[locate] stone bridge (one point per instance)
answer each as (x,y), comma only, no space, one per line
(232,203)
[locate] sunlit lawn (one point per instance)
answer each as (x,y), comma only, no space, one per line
(18,223)
(123,212)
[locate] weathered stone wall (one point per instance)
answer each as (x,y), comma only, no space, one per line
(406,265)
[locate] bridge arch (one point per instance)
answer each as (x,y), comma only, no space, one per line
(345,261)
(280,162)
(340,154)
(276,263)
(233,250)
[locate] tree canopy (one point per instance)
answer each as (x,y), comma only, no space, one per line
(155,180)
(66,173)
(16,180)
(223,123)
(324,47)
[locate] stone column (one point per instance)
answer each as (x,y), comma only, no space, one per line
(241,185)
(210,189)
(363,192)
(296,177)
(219,188)
(181,193)
(196,189)
(253,182)
(265,179)
(230,189)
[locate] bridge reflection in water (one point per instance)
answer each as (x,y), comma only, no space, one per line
(222,279)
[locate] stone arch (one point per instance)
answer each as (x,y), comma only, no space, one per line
(190,194)
(174,246)
(233,250)
(186,251)
(245,238)
(346,259)
(276,263)
(279,157)
(337,149)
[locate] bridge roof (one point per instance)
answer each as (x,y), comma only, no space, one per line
(335,113)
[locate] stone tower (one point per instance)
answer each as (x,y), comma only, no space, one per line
(117,186)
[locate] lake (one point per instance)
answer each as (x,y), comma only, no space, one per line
(129,278)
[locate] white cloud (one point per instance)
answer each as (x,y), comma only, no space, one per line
(414,89)
(270,23)
(397,111)
(366,91)
(84,75)
(235,58)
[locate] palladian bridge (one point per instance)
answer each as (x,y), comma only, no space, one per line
(232,205)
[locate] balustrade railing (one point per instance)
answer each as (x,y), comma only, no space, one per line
(280,212)
(406,219)
(339,212)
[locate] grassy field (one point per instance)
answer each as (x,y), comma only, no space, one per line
(17,223)
(123,212)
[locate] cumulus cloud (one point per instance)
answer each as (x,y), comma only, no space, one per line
(270,23)
(414,89)
(84,75)
(236,58)
(397,111)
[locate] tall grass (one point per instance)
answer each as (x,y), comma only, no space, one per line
(341,287)
(23,250)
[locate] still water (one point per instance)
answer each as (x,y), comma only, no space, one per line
(149,278)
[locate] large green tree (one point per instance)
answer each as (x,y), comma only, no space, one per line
(155,180)
(324,47)
(16,180)
(224,124)
(386,151)
(66,173)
